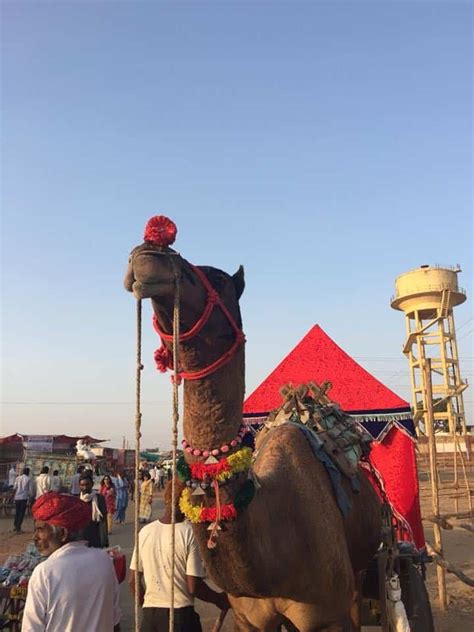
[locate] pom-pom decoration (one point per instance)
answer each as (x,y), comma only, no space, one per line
(160,230)
(244,496)
(163,359)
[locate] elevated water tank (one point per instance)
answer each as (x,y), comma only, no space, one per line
(427,296)
(422,289)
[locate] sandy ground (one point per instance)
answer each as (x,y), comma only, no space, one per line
(458,545)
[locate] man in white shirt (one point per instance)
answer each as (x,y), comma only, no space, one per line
(154,570)
(56,481)
(24,490)
(11,475)
(75,589)
(75,489)
(161,477)
(43,482)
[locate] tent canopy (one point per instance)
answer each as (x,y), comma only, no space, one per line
(318,358)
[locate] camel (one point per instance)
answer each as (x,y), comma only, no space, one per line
(290,557)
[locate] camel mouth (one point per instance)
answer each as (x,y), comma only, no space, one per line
(144,289)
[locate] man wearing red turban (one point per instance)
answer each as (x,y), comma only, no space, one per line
(76,588)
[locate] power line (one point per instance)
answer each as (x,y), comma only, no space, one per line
(464,323)
(402,358)
(82,403)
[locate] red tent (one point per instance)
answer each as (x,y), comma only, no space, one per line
(381,411)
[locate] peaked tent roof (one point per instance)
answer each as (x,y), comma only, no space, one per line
(317,357)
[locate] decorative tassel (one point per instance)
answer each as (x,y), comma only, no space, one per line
(163,359)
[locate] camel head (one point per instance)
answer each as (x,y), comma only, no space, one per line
(154,270)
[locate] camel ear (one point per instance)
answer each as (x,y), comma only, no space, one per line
(239,281)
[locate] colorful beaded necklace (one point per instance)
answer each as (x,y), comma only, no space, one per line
(237,440)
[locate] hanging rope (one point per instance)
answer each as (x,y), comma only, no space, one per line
(174,433)
(138,422)
(215,526)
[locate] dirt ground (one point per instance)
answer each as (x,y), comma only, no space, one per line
(458,547)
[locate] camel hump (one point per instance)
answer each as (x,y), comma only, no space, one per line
(344,440)
(287,434)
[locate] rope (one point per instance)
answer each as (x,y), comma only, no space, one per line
(138,421)
(174,434)
(212,541)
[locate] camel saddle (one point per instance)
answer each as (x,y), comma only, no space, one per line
(345,441)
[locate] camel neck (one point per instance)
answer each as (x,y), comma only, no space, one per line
(213,406)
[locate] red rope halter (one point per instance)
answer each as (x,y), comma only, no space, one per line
(162,355)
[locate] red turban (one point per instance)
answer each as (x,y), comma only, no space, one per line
(62,510)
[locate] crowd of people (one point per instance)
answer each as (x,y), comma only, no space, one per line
(76,587)
(113,493)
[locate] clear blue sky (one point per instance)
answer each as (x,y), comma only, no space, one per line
(325,146)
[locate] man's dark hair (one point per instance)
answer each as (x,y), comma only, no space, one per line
(84,477)
(26,471)
(44,469)
(56,472)
(80,469)
(168,498)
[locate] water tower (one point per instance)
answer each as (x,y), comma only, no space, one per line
(427,296)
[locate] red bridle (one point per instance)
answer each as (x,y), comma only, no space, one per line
(163,356)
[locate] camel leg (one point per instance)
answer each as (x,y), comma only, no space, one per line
(242,623)
(357,602)
(346,626)
(245,626)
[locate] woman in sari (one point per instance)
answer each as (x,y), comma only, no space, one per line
(121,485)
(146,498)
(107,489)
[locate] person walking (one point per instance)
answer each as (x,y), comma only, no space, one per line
(161,477)
(146,498)
(107,489)
(96,531)
(131,486)
(153,573)
(122,497)
(23,490)
(75,490)
(43,482)
(56,482)
(76,588)
(11,475)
